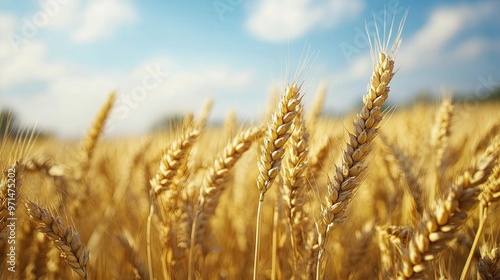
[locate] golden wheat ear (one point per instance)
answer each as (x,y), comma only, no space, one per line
(294,188)
(65,239)
(172,161)
(93,134)
(488,266)
(349,175)
(166,190)
(439,141)
(214,185)
(272,150)
(439,226)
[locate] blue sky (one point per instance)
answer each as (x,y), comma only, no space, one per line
(60,58)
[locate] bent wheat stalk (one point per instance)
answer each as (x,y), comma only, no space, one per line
(213,186)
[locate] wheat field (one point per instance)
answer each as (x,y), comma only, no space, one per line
(386,193)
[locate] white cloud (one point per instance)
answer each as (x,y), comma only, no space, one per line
(7,24)
(179,90)
(63,98)
(102,18)
(63,14)
(24,63)
(29,65)
(68,98)
(282,20)
(474,47)
(435,41)
(51,94)
(444,41)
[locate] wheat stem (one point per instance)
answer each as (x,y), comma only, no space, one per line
(483,213)
(257,237)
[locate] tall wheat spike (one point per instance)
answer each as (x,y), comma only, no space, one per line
(165,189)
(272,151)
(95,131)
(439,141)
(295,188)
(348,176)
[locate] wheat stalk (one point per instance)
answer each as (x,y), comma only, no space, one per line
(390,239)
(485,140)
